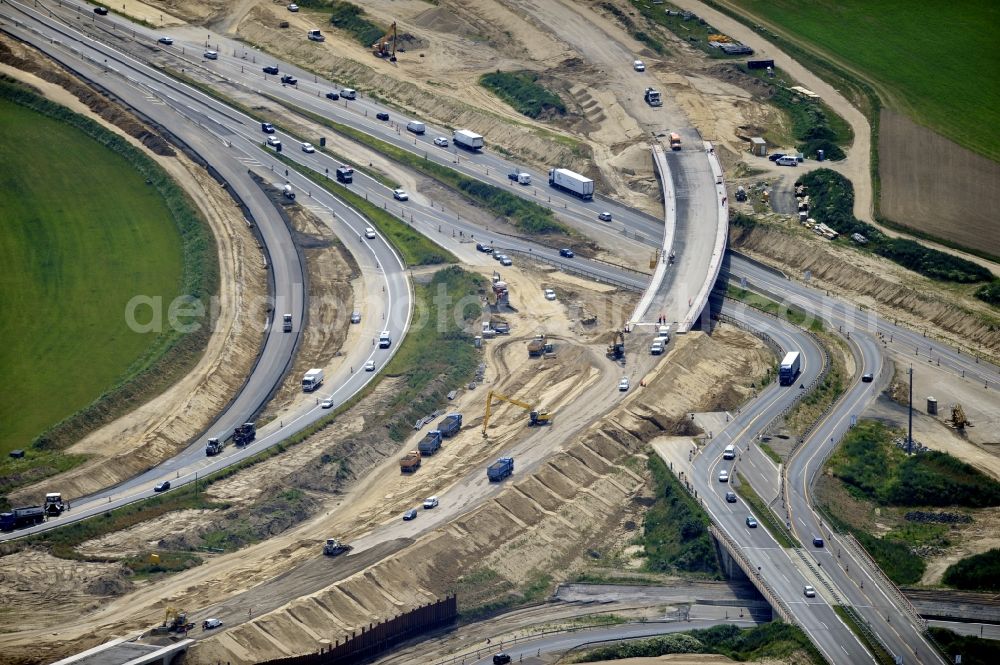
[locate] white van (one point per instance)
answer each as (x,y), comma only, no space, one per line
(384,340)
(787,160)
(348,93)
(729,452)
(416,127)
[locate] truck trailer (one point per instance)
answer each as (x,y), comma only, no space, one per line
(468,140)
(574,183)
(312,380)
(500,469)
(18,518)
(431,443)
(789,368)
(450,425)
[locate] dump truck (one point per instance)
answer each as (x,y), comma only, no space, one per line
(450,425)
(466,139)
(410,462)
(431,443)
(652,97)
(18,518)
(214,447)
(572,182)
(500,469)
(312,380)
(286,324)
(333,547)
(789,368)
(54,505)
(536,346)
(675,141)
(244,434)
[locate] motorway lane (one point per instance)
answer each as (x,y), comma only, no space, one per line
(177,113)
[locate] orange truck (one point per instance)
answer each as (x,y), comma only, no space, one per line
(410,462)
(675,141)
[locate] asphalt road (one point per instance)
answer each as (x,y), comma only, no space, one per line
(237,134)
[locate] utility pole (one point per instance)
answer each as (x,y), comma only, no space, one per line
(909,436)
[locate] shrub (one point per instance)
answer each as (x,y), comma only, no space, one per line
(351,18)
(990,293)
(523,92)
(980,572)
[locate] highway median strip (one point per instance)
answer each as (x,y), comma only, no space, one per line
(764,514)
(864,634)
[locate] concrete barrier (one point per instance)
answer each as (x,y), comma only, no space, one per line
(669,226)
(721,236)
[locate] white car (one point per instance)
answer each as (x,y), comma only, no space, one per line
(604,217)
(624,384)
(327,403)
(430,502)
(441,141)
(369,233)
(273,142)
(400,195)
(308,147)
(723,476)
(212,55)
(639,66)
(809,591)
(370,366)
(293,7)
(550,294)
(166,40)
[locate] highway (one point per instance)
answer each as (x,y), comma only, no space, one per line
(231,142)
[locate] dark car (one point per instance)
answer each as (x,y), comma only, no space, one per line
(381,115)
(776,156)
(267,128)
(731,497)
(501,658)
(271,69)
(484,248)
(568,253)
(410,514)
(817,541)
(513,176)
(289,79)
(103,11)
(332,95)
(867,378)
(162,487)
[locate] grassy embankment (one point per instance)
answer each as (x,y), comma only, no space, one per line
(433,359)
(522,91)
(77,247)
(945,87)
(638,34)
(690,30)
(879,475)
(832,202)
(793,315)
(974,650)
(779,642)
(675,529)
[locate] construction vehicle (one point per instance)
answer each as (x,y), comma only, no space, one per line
(19,518)
(431,443)
(675,141)
(537,417)
(244,434)
(312,379)
(410,462)
(176,622)
(652,97)
(502,468)
(539,346)
(958,419)
(385,47)
(450,425)
(54,505)
(616,350)
(214,447)
(333,547)
(316,36)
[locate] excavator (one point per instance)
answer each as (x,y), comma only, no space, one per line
(176,621)
(616,350)
(385,47)
(537,416)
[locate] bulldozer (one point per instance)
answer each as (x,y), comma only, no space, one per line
(385,47)
(536,417)
(333,547)
(616,350)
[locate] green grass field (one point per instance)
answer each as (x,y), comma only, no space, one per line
(936,62)
(81,234)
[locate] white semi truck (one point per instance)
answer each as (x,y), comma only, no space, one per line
(574,183)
